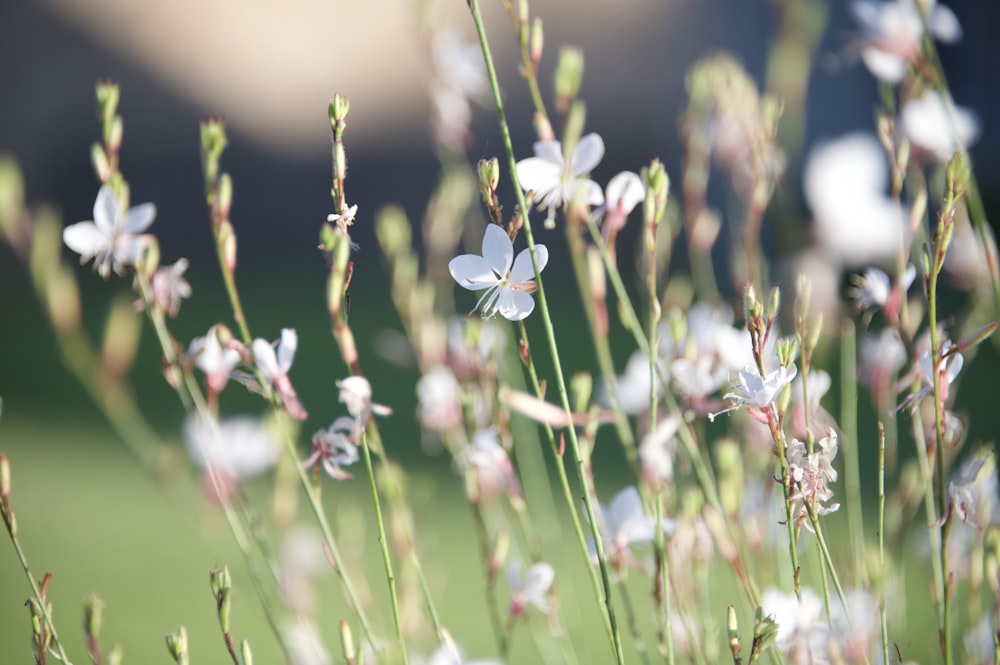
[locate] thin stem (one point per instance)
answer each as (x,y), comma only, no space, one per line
(881,540)
(384,546)
(602,589)
(849,426)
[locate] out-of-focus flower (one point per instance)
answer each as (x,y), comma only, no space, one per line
(624,192)
(656,451)
(811,474)
(633,386)
(493,468)
(114,237)
(530,589)
(931,126)
(169,287)
(301,561)
(236,448)
(820,420)
(856,627)
(556,183)
(507,281)
(881,357)
(215,361)
(874,290)
(449,653)
(273,361)
(355,392)
(625,523)
(948,368)
(460,77)
(844,183)
(972,494)
(439,396)
(304,643)
(892,31)
(334,449)
(802,631)
(980,640)
(757,392)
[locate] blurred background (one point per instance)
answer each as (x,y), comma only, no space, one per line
(269,69)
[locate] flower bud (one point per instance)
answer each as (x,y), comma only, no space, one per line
(99,160)
(177,646)
(773,304)
(247,654)
(568,77)
(93,616)
(213,143)
(222,588)
(347,642)
(537,42)
(224,196)
(734,635)
(114,655)
(339,106)
(489,176)
(4,477)
(108,95)
(543,130)
(225,240)
(114,134)
(499,554)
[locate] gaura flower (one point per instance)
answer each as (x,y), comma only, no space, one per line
(237,448)
(757,392)
(933,127)
(170,287)
(507,280)
(274,365)
(555,182)
(334,449)
(892,31)
(531,589)
(624,192)
(216,361)
(355,392)
(112,238)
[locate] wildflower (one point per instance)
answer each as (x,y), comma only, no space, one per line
(892,31)
(170,287)
(866,226)
(493,468)
(625,523)
(657,449)
(304,643)
(356,394)
(811,473)
(529,589)
(802,631)
(556,183)
(438,400)
(236,448)
(819,419)
(973,493)
(334,448)
(874,290)
(216,361)
(757,392)
(948,367)
(274,365)
(344,219)
(932,126)
(302,559)
(624,192)
(507,287)
(460,76)
(881,357)
(112,239)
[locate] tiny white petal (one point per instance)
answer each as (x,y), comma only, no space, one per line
(106,209)
(265,359)
(944,25)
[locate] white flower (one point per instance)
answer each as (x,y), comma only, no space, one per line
(892,31)
(112,239)
(237,448)
(492,465)
(844,182)
(811,473)
(948,368)
(438,400)
(333,449)
(874,290)
(755,391)
(215,361)
(625,523)
(624,192)
(633,386)
(555,182)
(931,125)
(274,365)
(507,280)
(530,589)
(802,630)
(355,392)
(305,644)
(657,451)
(170,287)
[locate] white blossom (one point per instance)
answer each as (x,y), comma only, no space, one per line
(892,30)
(507,281)
(211,358)
(274,361)
(239,447)
(937,127)
(113,237)
(556,183)
(532,588)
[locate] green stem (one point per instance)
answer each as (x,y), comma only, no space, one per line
(881,542)
(849,426)
(602,589)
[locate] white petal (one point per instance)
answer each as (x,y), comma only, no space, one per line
(515,305)
(884,66)
(538,579)
(497,249)
(625,191)
(944,25)
(625,505)
(85,238)
(139,218)
(588,191)
(549,151)
(538,175)
(264,358)
(286,349)
(588,154)
(523,271)
(106,209)
(472,272)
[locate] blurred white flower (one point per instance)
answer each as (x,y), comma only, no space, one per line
(215,361)
(113,237)
(881,356)
(355,393)
(633,386)
(930,125)
(439,400)
(657,450)
(334,448)
(304,643)
(948,367)
(972,494)
(507,281)
(274,364)
(530,589)
(494,470)
(625,523)
(169,287)
(844,183)
(237,448)
(757,392)
(802,631)
(554,182)
(892,30)
(874,290)
(302,559)
(624,192)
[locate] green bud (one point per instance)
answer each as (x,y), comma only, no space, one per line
(115,132)
(149,259)
(11,199)
(177,646)
(749,301)
(657,189)
(499,555)
(339,106)
(957,175)
(222,589)
(99,160)
(537,42)
(773,304)
(732,628)
(392,228)
(224,196)
(225,240)
(247,654)
(568,78)
(489,176)
(114,655)
(93,616)
(108,95)
(581,387)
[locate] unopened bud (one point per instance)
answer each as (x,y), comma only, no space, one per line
(749,301)
(347,642)
(222,588)
(489,176)
(114,655)
(247,653)
(657,190)
(957,175)
(543,130)
(4,476)
(93,616)
(224,196)
(149,257)
(499,554)
(732,628)
(537,42)
(115,132)
(568,78)
(339,106)
(225,240)
(213,143)
(108,95)
(581,387)
(177,646)
(99,160)
(773,304)
(63,299)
